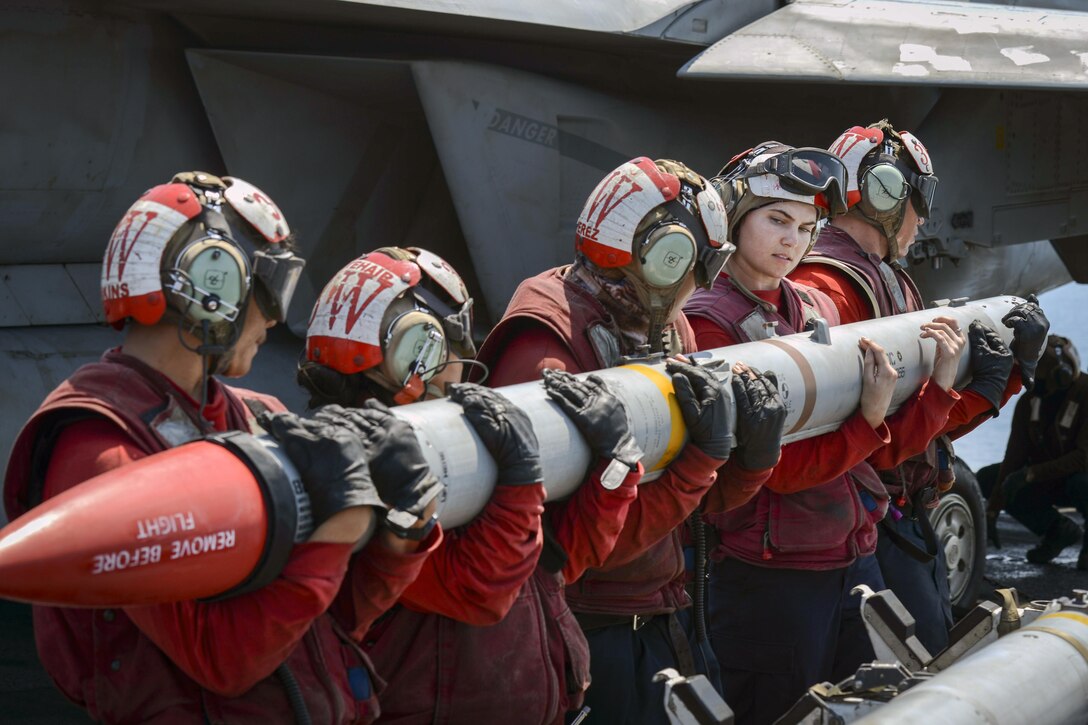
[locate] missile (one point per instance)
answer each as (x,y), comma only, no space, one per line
(209,517)
(155,532)
(819,376)
(1036,674)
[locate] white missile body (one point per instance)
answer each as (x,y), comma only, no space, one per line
(1037,674)
(819,375)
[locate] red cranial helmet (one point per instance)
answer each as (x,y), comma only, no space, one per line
(887,169)
(394,314)
(198,248)
(661,214)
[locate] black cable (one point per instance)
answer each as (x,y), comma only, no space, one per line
(459,361)
(698,530)
(205,331)
(294,694)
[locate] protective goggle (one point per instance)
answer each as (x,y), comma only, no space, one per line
(808,171)
(889,184)
(277,274)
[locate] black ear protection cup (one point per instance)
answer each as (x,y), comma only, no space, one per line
(667,254)
(414,346)
(211,281)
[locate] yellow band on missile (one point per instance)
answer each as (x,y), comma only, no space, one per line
(677,430)
(1075,616)
(1070,638)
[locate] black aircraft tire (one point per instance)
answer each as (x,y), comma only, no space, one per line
(960,524)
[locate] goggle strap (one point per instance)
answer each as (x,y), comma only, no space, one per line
(455,322)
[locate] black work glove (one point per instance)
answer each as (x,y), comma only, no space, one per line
(397,465)
(597,413)
(704,406)
(761,416)
(330,460)
(1029,326)
(505,431)
(1014,483)
(991,363)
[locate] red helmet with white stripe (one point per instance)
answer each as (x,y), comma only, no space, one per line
(660,217)
(199,247)
(886,169)
(394,314)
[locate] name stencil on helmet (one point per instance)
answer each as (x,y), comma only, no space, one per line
(352,305)
(131,265)
(617,206)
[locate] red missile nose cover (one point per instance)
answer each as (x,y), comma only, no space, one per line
(150,532)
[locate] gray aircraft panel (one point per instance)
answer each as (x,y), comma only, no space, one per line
(1022,269)
(617,16)
(95,112)
(885,41)
(362,172)
(50,294)
(521,152)
(600,16)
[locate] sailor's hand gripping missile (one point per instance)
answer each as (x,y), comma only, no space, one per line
(705,407)
(951,342)
(991,363)
(398,467)
(878,381)
(505,431)
(331,462)
(761,418)
(600,417)
(1030,326)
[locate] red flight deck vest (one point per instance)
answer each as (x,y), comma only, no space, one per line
(529,668)
(653,583)
(824,527)
(80,648)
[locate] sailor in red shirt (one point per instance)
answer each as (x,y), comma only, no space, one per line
(811,530)
(857,262)
(395,326)
(648,234)
(202,268)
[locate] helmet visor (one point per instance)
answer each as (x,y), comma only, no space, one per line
(277,276)
(808,171)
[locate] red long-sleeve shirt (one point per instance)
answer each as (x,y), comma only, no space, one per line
(475,575)
(588,524)
(660,505)
(225,646)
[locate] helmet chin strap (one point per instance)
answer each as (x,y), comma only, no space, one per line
(213,355)
(657,313)
(889,228)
